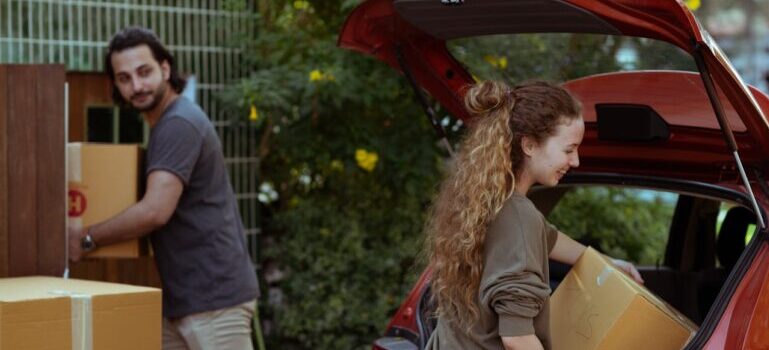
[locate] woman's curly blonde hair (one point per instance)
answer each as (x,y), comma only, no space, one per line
(481,180)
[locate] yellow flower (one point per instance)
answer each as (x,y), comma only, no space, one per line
(496,61)
(254,115)
(337,165)
(316,75)
(502,62)
(693,4)
(366,160)
(301,5)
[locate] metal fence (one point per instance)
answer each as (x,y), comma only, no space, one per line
(76,32)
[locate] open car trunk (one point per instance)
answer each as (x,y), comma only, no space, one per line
(712,149)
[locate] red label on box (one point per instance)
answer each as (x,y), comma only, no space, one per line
(77,203)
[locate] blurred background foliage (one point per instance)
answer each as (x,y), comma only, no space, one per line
(352,162)
(349,164)
(624,223)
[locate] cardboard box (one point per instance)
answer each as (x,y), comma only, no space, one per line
(104,180)
(597,306)
(55,313)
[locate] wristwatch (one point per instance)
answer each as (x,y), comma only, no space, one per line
(87,242)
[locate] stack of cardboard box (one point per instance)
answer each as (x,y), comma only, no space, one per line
(56,313)
(103,180)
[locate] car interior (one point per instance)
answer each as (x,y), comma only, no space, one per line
(706,234)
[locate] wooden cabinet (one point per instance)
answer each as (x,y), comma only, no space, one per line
(32,171)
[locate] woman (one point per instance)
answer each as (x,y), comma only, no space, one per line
(487,243)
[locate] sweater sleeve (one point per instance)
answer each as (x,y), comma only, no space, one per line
(513,280)
(552,236)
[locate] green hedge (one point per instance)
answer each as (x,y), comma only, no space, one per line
(351,163)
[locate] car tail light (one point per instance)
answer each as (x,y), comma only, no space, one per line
(403,331)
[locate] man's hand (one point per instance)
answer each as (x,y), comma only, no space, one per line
(629,269)
(75,235)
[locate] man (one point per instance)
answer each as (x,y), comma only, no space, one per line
(189,208)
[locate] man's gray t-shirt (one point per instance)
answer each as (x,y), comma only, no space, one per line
(201,252)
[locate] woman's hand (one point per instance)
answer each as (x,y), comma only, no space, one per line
(629,269)
(524,342)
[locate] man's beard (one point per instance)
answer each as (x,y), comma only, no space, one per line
(157,96)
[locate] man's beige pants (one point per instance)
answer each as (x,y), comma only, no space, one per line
(223,329)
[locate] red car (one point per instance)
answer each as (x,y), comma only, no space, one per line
(698,139)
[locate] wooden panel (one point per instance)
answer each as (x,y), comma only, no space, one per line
(51,171)
(140,271)
(85,89)
(22,172)
(3,174)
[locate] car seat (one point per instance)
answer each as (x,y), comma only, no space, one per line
(731,237)
(729,247)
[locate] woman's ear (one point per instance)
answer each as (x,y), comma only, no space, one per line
(528,145)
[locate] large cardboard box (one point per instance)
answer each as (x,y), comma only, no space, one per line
(597,306)
(38,313)
(104,180)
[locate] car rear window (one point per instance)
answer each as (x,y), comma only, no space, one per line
(627,223)
(565,57)
(562,56)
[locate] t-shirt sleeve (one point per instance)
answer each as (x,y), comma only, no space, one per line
(512,283)
(552,236)
(175,147)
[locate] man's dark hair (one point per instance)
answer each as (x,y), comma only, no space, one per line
(132,37)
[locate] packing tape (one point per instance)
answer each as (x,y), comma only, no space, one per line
(74,165)
(603,275)
(82,319)
(75,222)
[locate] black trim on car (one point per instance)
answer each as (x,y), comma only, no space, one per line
(407,334)
(425,330)
(394,343)
(726,293)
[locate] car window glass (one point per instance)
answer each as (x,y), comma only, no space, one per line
(626,223)
(564,56)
